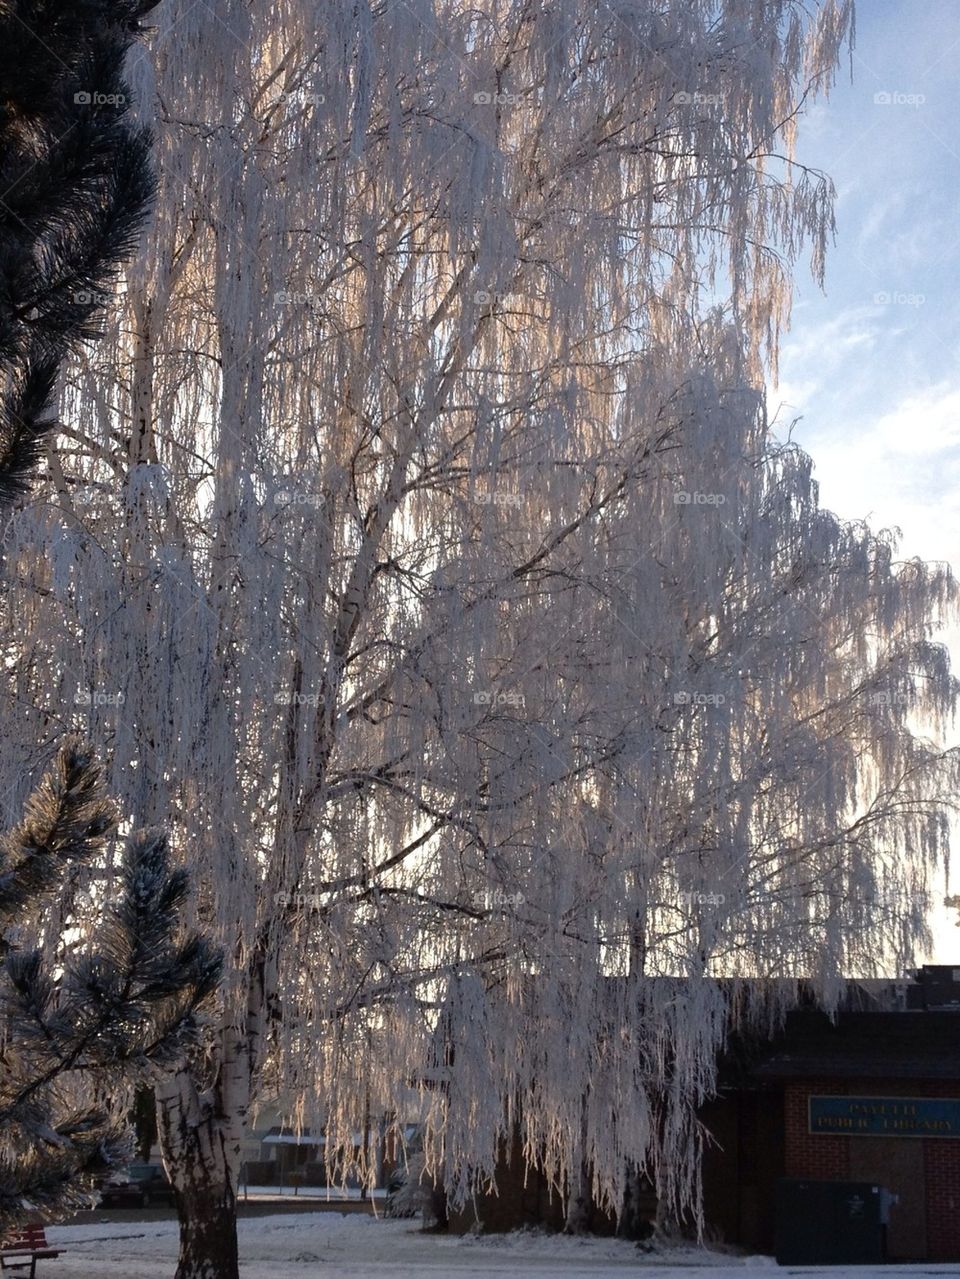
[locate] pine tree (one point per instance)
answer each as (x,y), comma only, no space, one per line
(76,185)
(84,1018)
(92,1002)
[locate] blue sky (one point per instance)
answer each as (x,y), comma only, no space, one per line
(871,366)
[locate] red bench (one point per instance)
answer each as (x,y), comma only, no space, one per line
(25,1248)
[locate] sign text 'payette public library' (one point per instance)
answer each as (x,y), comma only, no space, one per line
(885,1116)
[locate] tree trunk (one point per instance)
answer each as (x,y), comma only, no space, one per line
(635,1220)
(578,1205)
(579,1200)
(201,1136)
(208,1233)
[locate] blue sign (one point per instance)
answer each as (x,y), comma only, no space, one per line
(885,1116)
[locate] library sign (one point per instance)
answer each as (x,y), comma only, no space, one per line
(885,1116)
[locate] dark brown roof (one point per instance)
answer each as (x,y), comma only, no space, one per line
(871,1045)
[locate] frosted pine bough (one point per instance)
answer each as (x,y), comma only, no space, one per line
(497,737)
(85,1013)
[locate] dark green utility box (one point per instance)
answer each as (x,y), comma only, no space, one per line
(828,1223)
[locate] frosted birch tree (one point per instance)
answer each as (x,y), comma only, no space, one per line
(508,683)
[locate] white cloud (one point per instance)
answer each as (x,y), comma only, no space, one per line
(820,349)
(902,469)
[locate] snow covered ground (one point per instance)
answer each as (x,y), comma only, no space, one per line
(332,1245)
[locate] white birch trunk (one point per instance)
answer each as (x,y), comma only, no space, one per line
(579,1197)
(201,1137)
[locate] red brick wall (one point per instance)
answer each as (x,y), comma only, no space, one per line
(807,1155)
(825,1158)
(941,1160)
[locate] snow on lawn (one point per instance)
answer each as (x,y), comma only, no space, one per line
(324,1245)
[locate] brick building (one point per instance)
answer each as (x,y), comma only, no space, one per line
(870,1096)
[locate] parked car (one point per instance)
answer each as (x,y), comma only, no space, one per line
(140,1186)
